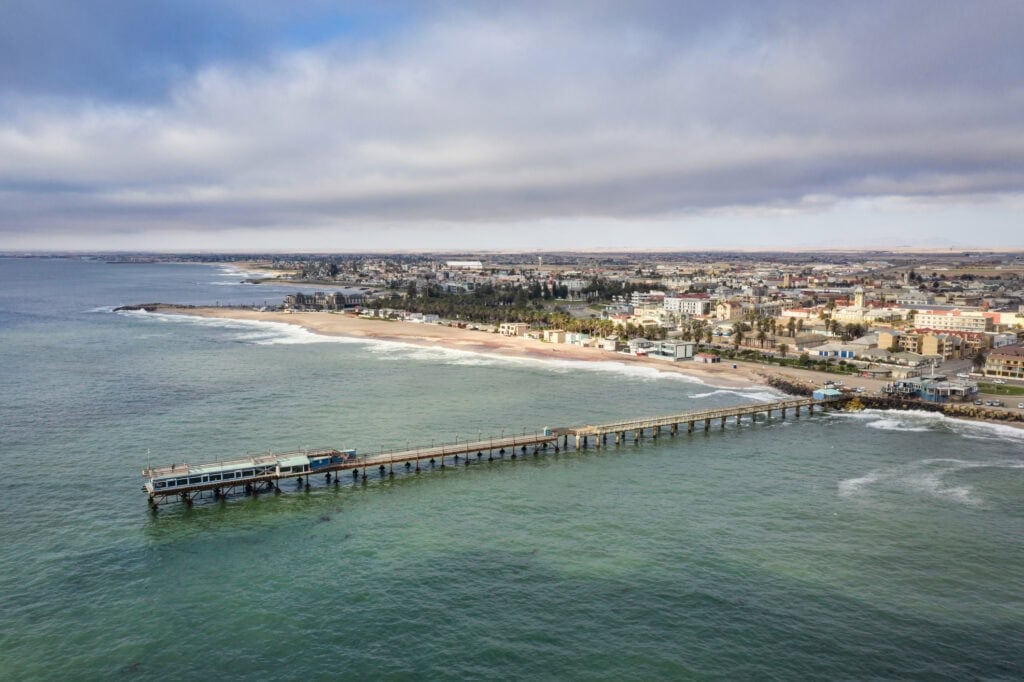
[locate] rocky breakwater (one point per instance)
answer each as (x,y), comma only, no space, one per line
(151,307)
(886,402)
(789,386)
(951,409)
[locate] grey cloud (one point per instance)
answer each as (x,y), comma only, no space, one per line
(542,114)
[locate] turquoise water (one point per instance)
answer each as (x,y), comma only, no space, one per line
(841,546)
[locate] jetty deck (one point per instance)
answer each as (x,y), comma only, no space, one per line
(260,473)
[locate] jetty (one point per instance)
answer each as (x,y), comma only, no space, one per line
(263,473)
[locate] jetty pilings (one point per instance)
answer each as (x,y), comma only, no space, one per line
(269,471)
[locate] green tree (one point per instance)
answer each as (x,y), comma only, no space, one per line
(737,334)
(783,349)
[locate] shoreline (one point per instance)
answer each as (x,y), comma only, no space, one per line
(454,338)
(788,380)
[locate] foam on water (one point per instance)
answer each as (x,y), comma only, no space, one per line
(268,333)
(758,393)
(926,476)
(852,486)
(896,425)
(258,332)
(918,421)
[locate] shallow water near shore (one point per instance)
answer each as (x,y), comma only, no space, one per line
(842,546)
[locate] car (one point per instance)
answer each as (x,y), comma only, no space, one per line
(999,381)
(963,375)
(1020,406)
(988,403)
(978,402)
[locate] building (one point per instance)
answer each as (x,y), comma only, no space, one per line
(674,350)
(696,304)
(728,310)
(954,320)
(707,358)
(826,393)
(947,345)
(650,298)
(554,335)
(1007,361)
(933,388)
(464,265)
(323,301)
(890,339)
(641,346)
(831,350)
(513,328)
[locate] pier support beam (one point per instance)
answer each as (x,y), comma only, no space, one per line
(577,442)
(655,431)
(738,417)
(674,430)
(707,424)
(723,422)
(689,427)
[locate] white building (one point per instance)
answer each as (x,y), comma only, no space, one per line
(688,305)
(513,328)
(953,320)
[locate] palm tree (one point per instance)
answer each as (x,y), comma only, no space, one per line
(800,325)
(791,327)
(783,349)
(737,334)
(762,336)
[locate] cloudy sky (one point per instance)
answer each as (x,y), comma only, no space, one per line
(252,125)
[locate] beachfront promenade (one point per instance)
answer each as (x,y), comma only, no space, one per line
(261,473)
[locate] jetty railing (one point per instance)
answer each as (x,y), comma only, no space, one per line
(192,480)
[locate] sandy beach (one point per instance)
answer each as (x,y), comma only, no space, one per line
(339,324)
(343,324)
(727,374)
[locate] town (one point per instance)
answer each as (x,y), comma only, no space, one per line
(937,327)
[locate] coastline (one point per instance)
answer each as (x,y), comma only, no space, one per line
(454,338)
(722,375)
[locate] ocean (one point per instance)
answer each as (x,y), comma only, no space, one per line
(840,546)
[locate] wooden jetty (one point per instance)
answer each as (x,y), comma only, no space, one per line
(263,473)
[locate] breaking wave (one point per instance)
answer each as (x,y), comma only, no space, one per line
(920,421)
(268,333)
(925,477)
(758,393)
